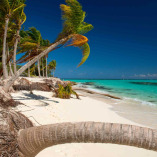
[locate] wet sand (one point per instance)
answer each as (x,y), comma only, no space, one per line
(127,108)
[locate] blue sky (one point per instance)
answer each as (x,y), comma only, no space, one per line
(123,42)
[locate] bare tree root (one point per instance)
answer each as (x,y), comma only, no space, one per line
(10,123)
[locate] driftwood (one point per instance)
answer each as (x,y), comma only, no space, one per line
(47,85)
(6,99)
(24,84)
(34,86)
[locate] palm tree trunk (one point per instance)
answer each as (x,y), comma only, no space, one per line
(10,67)
(5,72)
(33,140)
(53,73)
(29,68)
(29,72)
(43,71)
(46,66)
(35,59)
(39,68)
(34,70)
(15,50)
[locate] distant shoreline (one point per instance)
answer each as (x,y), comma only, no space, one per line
(101,79)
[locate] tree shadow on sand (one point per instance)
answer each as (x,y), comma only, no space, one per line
(36,97)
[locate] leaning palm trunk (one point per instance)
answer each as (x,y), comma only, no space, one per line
(33,140)
(15,50)
(35,59)
(39,67)
(5,72)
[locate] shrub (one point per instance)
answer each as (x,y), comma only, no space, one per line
(65,92)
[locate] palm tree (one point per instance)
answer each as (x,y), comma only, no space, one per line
(8,8)
(24,38)
(46,43)
(36,37)
(10,66)
(42,137)
(43,67)
(31,43)
(52,66)
(46,65)
(19,19)
(73,29)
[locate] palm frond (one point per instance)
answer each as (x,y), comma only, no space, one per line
(84,28)
(19,16)
(74,27)
(4,5)
(76,16)
(52,65)
(28,56)
(23,57)
(23,33)
(27,46)
(73,16)
(34,34)
(86,52)
(16,10)
(77,40)
(23,18)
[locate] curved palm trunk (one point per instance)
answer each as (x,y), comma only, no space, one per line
(35,59)
(15,50)
(33,140)
(5,72)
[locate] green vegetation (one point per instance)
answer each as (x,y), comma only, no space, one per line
(65,92)
(32,45)
(52,66)
(35,49)
(74,27)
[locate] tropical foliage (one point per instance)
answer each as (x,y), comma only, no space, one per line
(12,15)
(74,27)
(30,44)
(65,92)
(52,66)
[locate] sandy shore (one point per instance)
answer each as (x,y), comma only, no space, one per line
(129,108)
(41,108)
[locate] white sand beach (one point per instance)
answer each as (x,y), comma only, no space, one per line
(41,108)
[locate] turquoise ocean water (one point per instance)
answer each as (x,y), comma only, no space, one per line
(140,90)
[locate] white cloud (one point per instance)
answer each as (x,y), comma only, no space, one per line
(146,75)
